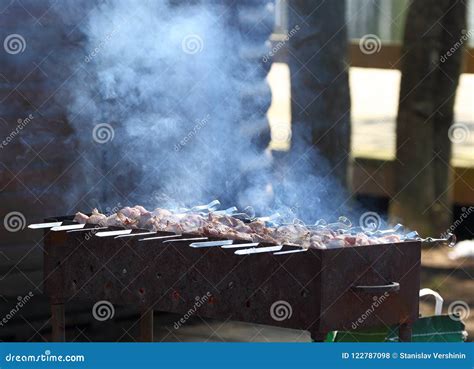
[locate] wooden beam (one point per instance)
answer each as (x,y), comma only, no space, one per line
(387,58)
(375,177)
(320,99)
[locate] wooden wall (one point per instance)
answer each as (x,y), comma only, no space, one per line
(37,157)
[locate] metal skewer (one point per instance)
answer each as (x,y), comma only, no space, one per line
(290,251)
(212,206)
(211,243)
(258,250)
(449,241)
(44,225)
(228,211)
(134,234)
(89,229)
(159,237)
(68,227)
(113,233)
(240,245)
(186,239)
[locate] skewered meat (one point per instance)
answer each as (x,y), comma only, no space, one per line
(131,213)
(225,226)
(97,218)
(81,218)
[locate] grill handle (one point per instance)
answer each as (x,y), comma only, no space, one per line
(391,287)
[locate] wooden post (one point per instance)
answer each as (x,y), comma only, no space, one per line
(320,101)
(423,177)
(146,325)
(58,323)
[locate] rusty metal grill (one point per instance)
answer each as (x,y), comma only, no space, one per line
(322,290)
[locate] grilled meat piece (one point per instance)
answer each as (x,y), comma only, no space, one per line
(97,218)
(81,218)
(131,213)
(226,220)
(222,231)
(120,220)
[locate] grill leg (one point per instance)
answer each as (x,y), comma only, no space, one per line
(146,325)
(58,323)
(404,332)
(318,336)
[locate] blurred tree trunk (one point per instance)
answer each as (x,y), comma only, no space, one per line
(319,80)
(423,184)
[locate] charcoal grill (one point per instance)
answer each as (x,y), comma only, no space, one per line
(321,290)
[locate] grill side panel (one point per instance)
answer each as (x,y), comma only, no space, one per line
(347,308)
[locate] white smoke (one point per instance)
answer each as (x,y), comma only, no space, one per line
(152,71)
